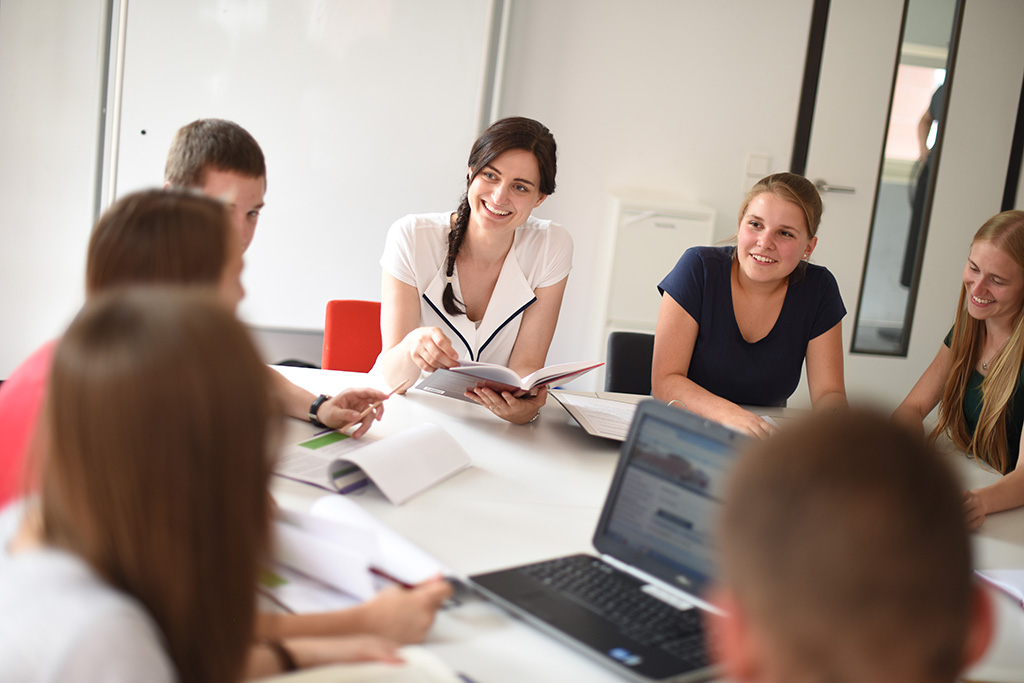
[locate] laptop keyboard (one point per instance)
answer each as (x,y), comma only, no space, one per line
(617,597)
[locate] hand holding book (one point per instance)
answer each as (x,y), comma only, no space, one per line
(457,381)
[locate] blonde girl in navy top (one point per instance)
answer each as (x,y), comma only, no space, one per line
(738,323)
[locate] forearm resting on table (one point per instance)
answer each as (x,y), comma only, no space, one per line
(831,401)
(1005,494)
(678,389)
(294,399)
(340,622)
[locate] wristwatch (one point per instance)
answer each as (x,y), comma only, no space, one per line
(320,400)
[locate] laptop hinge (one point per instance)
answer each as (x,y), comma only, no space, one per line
(663,591)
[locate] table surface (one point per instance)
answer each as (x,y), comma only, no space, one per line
(535,491)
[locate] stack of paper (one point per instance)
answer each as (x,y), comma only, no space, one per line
(339,555)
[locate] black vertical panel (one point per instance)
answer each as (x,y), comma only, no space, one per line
(809,91)
(1016,156)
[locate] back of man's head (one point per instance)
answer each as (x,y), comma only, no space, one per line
(208,144)
(845,553)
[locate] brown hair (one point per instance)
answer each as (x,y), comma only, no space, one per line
(157,464)
(159,236)
(212,143)
(844,538)
(795,189)
(507,134)
(1005,231)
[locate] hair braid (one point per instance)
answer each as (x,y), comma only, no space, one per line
(455,236)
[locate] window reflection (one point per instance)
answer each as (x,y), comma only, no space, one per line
(902,201)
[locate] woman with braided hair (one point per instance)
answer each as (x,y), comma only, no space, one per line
(485,282)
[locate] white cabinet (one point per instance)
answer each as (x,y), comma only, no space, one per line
(648,241)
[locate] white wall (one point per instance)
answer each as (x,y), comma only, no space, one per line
(50,81)
(657,95)
(669,96)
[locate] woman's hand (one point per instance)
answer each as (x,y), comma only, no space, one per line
(974,510)
(430,349)
(748,423)
(517,410)
(347,406)
(404,614)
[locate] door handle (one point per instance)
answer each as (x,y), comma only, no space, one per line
(823,186)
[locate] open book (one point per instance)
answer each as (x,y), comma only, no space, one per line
(338,555)
(455,381)
(401,465)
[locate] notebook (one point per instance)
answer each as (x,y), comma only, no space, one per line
(655,539)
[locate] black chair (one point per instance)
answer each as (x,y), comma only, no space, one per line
(628,363)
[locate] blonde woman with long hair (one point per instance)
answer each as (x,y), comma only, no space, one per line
(975,378)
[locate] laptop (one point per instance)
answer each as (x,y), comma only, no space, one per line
(638,607)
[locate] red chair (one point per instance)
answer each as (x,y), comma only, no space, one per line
(351,335)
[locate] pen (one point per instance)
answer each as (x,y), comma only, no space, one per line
(384,575)
(373,406)
(450,602)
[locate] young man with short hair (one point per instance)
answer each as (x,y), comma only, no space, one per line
(223,160)
(845,557)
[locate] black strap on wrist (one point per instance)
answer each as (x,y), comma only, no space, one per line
(316,407)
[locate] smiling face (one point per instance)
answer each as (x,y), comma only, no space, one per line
(773,237)
(993,284)
(243,196)
(504,192)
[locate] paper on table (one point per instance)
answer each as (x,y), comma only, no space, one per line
(398,556)
(606,417)
(325,559)
(298,593)
(599,416)
(411,461)
(1009,581)
(312,460)
(401,465)
(421,666)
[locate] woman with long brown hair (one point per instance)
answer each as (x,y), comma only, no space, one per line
(184,239)
(140,557)
(976,378)
(484,282)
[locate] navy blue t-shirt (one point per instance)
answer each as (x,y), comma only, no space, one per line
(767,372)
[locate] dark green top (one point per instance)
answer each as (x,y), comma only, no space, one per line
(973,402)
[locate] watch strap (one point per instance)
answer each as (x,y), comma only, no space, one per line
(315,407)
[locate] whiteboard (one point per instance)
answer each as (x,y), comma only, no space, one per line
(365,110)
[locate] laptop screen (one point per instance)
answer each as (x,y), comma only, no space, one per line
(661,513)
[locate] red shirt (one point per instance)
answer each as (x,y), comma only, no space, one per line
(21,397)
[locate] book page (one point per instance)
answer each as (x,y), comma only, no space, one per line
(1009,581)
(563,372)
(397,556)
(401,465)
(312,460)
(454,384)
(408,463)
(599,416)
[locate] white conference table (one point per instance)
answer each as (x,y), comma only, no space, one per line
(535,492)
